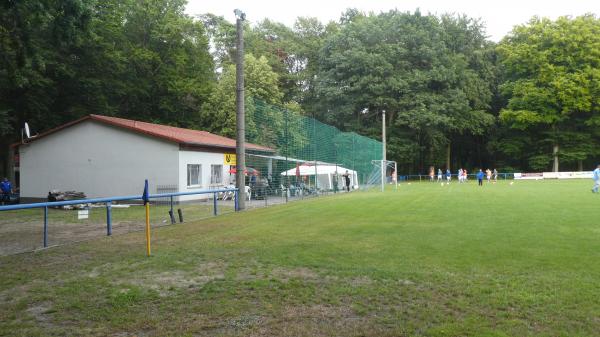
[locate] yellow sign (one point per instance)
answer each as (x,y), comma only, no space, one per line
(230,159)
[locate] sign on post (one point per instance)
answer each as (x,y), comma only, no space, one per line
(83,214)
(230,159)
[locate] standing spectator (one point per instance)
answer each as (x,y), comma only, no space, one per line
(480,177)
(439,175)
(347,178)
(335,183)
(596,176)
(448,175)
(6,189)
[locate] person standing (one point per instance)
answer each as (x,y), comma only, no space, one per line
(439,175)
(6,189)
(459,175)
(488,174)
(495,175)
(431,173)
(480,177)
(347,178)
(448,175)
(596,177)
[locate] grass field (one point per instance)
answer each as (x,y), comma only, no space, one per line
(426,260)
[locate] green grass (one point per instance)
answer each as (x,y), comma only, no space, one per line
(426,260)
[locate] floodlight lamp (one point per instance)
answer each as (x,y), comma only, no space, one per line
(239,14)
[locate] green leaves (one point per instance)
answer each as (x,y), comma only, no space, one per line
(552,72)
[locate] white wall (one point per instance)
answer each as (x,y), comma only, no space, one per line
(99,160)
(206,159)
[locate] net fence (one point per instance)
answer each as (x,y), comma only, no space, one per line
(310,157)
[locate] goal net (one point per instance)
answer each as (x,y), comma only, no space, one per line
(383,172)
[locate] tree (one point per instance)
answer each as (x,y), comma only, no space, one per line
(39,43)
(552,71)
(218,114)
(430,74)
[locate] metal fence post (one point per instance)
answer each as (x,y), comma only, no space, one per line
(171,214)
(215,204)
(109,218)
(171,203)
(45,226)
(236,207)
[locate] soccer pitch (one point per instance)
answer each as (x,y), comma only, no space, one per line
(425,260)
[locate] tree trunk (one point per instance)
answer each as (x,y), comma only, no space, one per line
(580,165)
(555,155)
(448,157)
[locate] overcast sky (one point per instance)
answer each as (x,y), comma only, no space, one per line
(500,15)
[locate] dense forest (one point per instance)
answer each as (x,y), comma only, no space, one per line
(452,96)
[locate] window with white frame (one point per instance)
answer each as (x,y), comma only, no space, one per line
(216,174)
(194,174)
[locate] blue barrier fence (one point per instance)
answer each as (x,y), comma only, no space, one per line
(109,203)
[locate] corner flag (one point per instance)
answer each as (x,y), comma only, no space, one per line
(145,196)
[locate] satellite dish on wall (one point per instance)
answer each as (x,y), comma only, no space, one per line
(27,131)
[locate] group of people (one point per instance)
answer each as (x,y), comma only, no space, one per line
(462,175)
(346,181)
(488,174)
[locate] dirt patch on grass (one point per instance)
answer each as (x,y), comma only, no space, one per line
(308,320)
(165,282)
(40,312)
(296,273)
(318,311)
(361,281)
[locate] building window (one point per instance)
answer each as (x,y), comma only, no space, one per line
(216,174)
(194,174)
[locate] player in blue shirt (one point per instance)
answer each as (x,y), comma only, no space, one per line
(480,177)
(596,177)
(448,175)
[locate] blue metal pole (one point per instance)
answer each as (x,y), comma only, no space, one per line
(109,218)
(236,200)
(215,204)
(45,226)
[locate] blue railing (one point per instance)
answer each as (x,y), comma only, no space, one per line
(110,200)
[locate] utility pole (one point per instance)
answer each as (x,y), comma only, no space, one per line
(383,157)
(240,113)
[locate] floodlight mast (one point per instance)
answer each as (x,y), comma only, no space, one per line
(383,156)
(240,113)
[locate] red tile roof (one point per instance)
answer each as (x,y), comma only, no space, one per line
(170,133)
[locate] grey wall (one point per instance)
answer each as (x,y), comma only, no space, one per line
(97,159)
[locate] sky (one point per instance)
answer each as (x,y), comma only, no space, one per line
(499,16)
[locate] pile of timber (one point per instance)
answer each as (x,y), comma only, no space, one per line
(56,195)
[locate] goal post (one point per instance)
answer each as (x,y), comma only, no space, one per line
(383,172)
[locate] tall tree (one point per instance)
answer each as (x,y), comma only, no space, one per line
(552,71)
(39,44)
(261,82)
(428,73)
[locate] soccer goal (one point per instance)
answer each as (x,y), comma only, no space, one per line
(383,172)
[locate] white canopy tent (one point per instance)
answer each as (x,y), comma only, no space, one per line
(325,175)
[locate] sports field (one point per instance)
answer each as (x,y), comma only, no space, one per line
(426,260)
